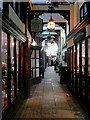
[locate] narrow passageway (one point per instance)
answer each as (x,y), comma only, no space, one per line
(49,99)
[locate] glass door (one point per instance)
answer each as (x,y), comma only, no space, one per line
(35,66)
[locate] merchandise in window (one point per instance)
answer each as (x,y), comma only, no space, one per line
(78,48)
(89,57)
(17,59)
(83,68)
(4,69)
(12,66)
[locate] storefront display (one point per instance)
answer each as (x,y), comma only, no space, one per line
(4,69)
(17,64)
(12,66)
(83,67)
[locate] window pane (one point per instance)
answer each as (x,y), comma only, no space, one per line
(37,62)
(12,66)
(37,72)
(4,69)
(82,12)
(89,68)
(83,68)
(85,9)
(83,56)
(37,53)
(33,73)
(32,63)
(33,54)
(89,57)
(22,48)
(71,60)
(17,58)
(78,48)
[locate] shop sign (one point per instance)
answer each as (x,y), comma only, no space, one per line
(70,42)
(80,36)
(36,25)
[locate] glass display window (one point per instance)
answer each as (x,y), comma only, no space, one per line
(83,68)
(78,50)
(12,66)
(71,60)
(89,57)
(83,57)
(22,50)
(4,69)
(17,59)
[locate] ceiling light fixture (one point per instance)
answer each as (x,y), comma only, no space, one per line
(51,24)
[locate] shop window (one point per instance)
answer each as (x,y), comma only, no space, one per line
(83,57)
(74,59)
(22,48)
(78,48)
(71,59)
(83,68)
(4,69)
(12,66)
(89,57)
(17,59)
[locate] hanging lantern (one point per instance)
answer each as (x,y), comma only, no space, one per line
(51,24)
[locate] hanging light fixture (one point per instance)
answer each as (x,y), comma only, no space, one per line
(51,24)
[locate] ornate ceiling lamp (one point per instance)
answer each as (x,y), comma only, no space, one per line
(51,24)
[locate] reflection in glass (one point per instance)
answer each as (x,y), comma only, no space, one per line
(85,9)
(89,66)
(33,54)
(78,48)
(71,59)
(37,62)
(83,56)
(17,58)
(32,63)
(83,68)
(37,72)
(37,53)
(89,57)
(33,73)
(12,66)
(4,69)
(82,14)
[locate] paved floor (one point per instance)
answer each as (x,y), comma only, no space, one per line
(49,99)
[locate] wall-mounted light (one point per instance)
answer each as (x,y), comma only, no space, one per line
(51,24)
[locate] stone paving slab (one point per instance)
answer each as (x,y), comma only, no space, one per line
(49,99)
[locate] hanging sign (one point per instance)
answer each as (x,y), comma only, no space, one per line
(80,35)
(36,25)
